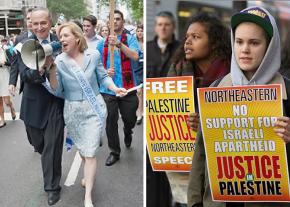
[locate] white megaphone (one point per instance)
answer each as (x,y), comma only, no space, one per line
(33,53)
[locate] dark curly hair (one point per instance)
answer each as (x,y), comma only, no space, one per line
(285,63)
(218,34)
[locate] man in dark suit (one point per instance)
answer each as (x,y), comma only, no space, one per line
(42,112)
(14,66)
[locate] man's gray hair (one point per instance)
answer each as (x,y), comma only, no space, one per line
(42,9)
(166,14)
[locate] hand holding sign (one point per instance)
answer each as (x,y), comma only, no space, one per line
(193,121)
(282,128)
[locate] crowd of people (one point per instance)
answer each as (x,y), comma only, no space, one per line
(5,62)
(248,54)
(77,88)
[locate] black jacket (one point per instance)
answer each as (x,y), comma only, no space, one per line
(36,100)
(157,63)
(14,66)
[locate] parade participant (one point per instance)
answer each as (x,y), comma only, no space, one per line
(256,60)
(206,58)
(89,28)
(139,36)
(5,57)
(123,76)
(138,65)
(42,112)
(84,123)
(104,31)
(14,66)
(162,47)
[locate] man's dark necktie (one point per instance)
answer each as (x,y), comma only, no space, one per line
(44,42)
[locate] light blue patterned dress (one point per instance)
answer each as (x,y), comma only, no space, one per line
(84,125)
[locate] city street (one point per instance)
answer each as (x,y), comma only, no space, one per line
(120,185)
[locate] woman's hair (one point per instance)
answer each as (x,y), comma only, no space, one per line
(139,26)
(218,34)
(77,32)
(77,22)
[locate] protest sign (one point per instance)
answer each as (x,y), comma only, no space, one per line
(170,141)
(246,159)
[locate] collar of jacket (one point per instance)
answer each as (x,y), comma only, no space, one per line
(170,43)
(87,58)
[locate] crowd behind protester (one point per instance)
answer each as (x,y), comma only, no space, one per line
(285,62)
(81,44)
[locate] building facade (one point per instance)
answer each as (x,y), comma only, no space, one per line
(13,12)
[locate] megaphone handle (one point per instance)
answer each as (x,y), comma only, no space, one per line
(36,56)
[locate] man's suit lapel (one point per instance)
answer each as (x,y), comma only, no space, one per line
(53,37)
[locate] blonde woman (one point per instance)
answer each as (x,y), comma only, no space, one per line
(85,110)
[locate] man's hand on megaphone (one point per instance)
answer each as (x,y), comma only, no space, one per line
(47,64)
(49,60)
